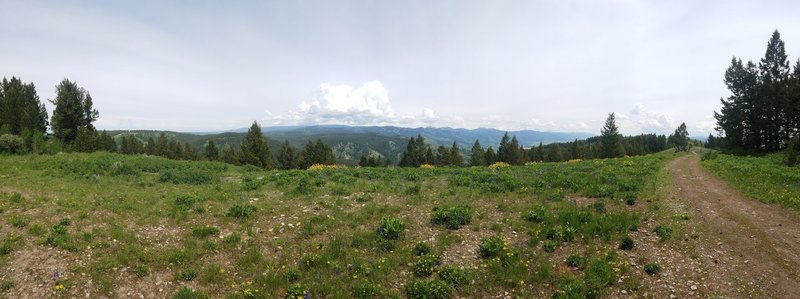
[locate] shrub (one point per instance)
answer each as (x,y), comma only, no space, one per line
(6,285)
(425,265)
(140,271)
(19,221)
(630,201)
(296,291)
(454,276)
(11,144)
(428,289)
(192,176)
(188,274)
(309,261)
(491,247)
(664,233)
(453,217)
(652,269)
(538,215)
(184,202)
(626,243)
(422,248)
(364,290)
(793,151)
(232,239)
(549,246)
(391,228)
(571,288)
(575,261)
(187,293)
(241,211)
(203,232)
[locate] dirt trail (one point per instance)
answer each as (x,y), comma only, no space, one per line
(749,249)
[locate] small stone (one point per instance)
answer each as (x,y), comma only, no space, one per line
(694,288)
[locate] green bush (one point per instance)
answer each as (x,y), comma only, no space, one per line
(296,291)
(575,261)
(391,228)
(188,274)
(6,285)
(652,269)
(453,217)
(425,265)
(192,176)
(572,288)
(454,276)
(241,211)
(140,271)
(364,290)
(203,232)
(422,248)
(492,247)
(539,214)
(19,221)
(626,243)
(11,144)
(428,289)
(793,151)
(664,233)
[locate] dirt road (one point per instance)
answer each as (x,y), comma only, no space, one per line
(746,248)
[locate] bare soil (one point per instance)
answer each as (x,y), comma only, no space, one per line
(737,247)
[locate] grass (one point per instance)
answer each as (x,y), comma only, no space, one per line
(332,232)
(768,178)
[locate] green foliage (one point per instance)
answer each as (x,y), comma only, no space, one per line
(21,112)
(205,231)
(492,247)
(187,293)
(428,289)
(454,276)
(241,211)
(538,215)
(73,110)
(575,261)
(255,149)
(364,290)
(391,228)
(187,274)
(768,178)
(192,176)
(626,243)
(452,216)
(140,271)
(422,248)
(793,151)
(296,291)
(611,140)
(680,139)
(426,264)
(572,288)
(652,268)
(11,144)
(5,285)
(664,233)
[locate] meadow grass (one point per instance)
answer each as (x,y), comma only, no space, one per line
(239,232)
(765,178)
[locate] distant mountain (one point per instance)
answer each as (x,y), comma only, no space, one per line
(350,143)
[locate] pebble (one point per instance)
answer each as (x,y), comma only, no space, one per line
(694,288)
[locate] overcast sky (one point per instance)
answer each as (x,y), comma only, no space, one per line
(542,65)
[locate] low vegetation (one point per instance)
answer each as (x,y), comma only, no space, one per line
(768,178)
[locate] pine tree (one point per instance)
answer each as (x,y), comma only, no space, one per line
(610,139)
(229,155)
(490,157)
(211,150)
(442,156)
(21,112)
(255,149)
(681,138)
(287,158)
(476,157)
(73,110)
(774,73)
(455,155)
(324,153)
(410,158)
(504,151)
(556,154)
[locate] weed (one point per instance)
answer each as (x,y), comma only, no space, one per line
(571,288)
(626,243)
(549,246)
(232,239)
(212,274)
(205,231)
(364,290)
(391,228)
(575,261)
(491,247)
(664,233)
(539,214)
(297,291)
(453,217)
(241,211)
(192,176)
(6,285)
(187,274)
(19,221)
(652,269)
(421,248)
(187,293)
(309,261)
(454,276)
(428,289)
(630,201)
(426,264)
(140,271)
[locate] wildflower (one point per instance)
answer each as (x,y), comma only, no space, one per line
(59,287)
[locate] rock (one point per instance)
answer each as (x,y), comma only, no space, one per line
(694,288)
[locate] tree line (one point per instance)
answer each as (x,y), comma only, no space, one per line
(762,114)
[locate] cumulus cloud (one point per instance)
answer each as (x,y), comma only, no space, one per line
(642,120)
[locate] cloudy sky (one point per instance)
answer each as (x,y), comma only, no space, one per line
(543,65)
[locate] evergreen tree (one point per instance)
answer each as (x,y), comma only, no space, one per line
(540,152)
(211,150)
(490,157)
(410,158)
(255,149)
(610,139)
(455,155)
(681,138)
(430,158)
(774,73)
(190,153)
(287,158)
(150,148)
(556,154)
(21,112)
(229,155)
(324,153)
(476,157)
(442,156)
(106,142)
(504,151)
(86,140)
(73,110)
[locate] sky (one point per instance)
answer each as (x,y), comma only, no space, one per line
(541,65)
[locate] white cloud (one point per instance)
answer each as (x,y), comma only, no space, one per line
(428,114)
(642,120)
